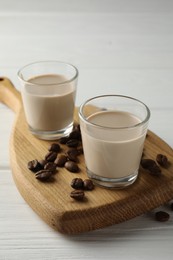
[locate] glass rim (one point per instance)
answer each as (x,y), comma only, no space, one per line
(82,117)
(19,73)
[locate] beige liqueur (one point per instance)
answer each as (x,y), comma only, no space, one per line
(49,105)
(113,153)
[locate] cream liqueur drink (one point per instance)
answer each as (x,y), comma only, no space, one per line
(48,107)
(118,153)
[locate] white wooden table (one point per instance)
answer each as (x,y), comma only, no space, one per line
(121,47)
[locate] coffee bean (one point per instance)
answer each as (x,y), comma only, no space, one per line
(151,166)
(72,155)
(72,143)
(147,163)
(162,216)
(71,166)
(43,175)
(77,183)
(42,163)
(50,166)
(80,151)
(51,156)
(34,166)
(77,194)
(162,160)
(55,148)
(63,140)
(155,170)
(73,152)
(75,134)
(60,160)
(73,158)
(88,184)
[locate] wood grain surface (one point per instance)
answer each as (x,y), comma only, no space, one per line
(102,207)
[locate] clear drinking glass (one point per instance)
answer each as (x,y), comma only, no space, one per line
(113,131)
(48,94)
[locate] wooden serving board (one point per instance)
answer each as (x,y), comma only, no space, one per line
(102,207)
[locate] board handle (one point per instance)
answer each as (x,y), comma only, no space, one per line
(9,95)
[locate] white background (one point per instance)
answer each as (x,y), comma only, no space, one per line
(120,47)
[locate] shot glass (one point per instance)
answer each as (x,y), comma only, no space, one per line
(48,94)
(113,131)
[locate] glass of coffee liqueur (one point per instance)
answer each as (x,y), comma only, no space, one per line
(113,131)
(48,95)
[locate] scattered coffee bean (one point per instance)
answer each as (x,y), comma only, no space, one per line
(162,160)
(50,166)
(162,216)
(73,152)
(75,134)
(63,140)
(55,148)
(34,166)
(43,175)
(80,151)
(42,163)
(71,166)
(73,158)
(60,160)
(151,166)
(72,155)
(155,170)
(51,156)
(77,183)
(88,184)
(77,194)
(72,143)
(147,163)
